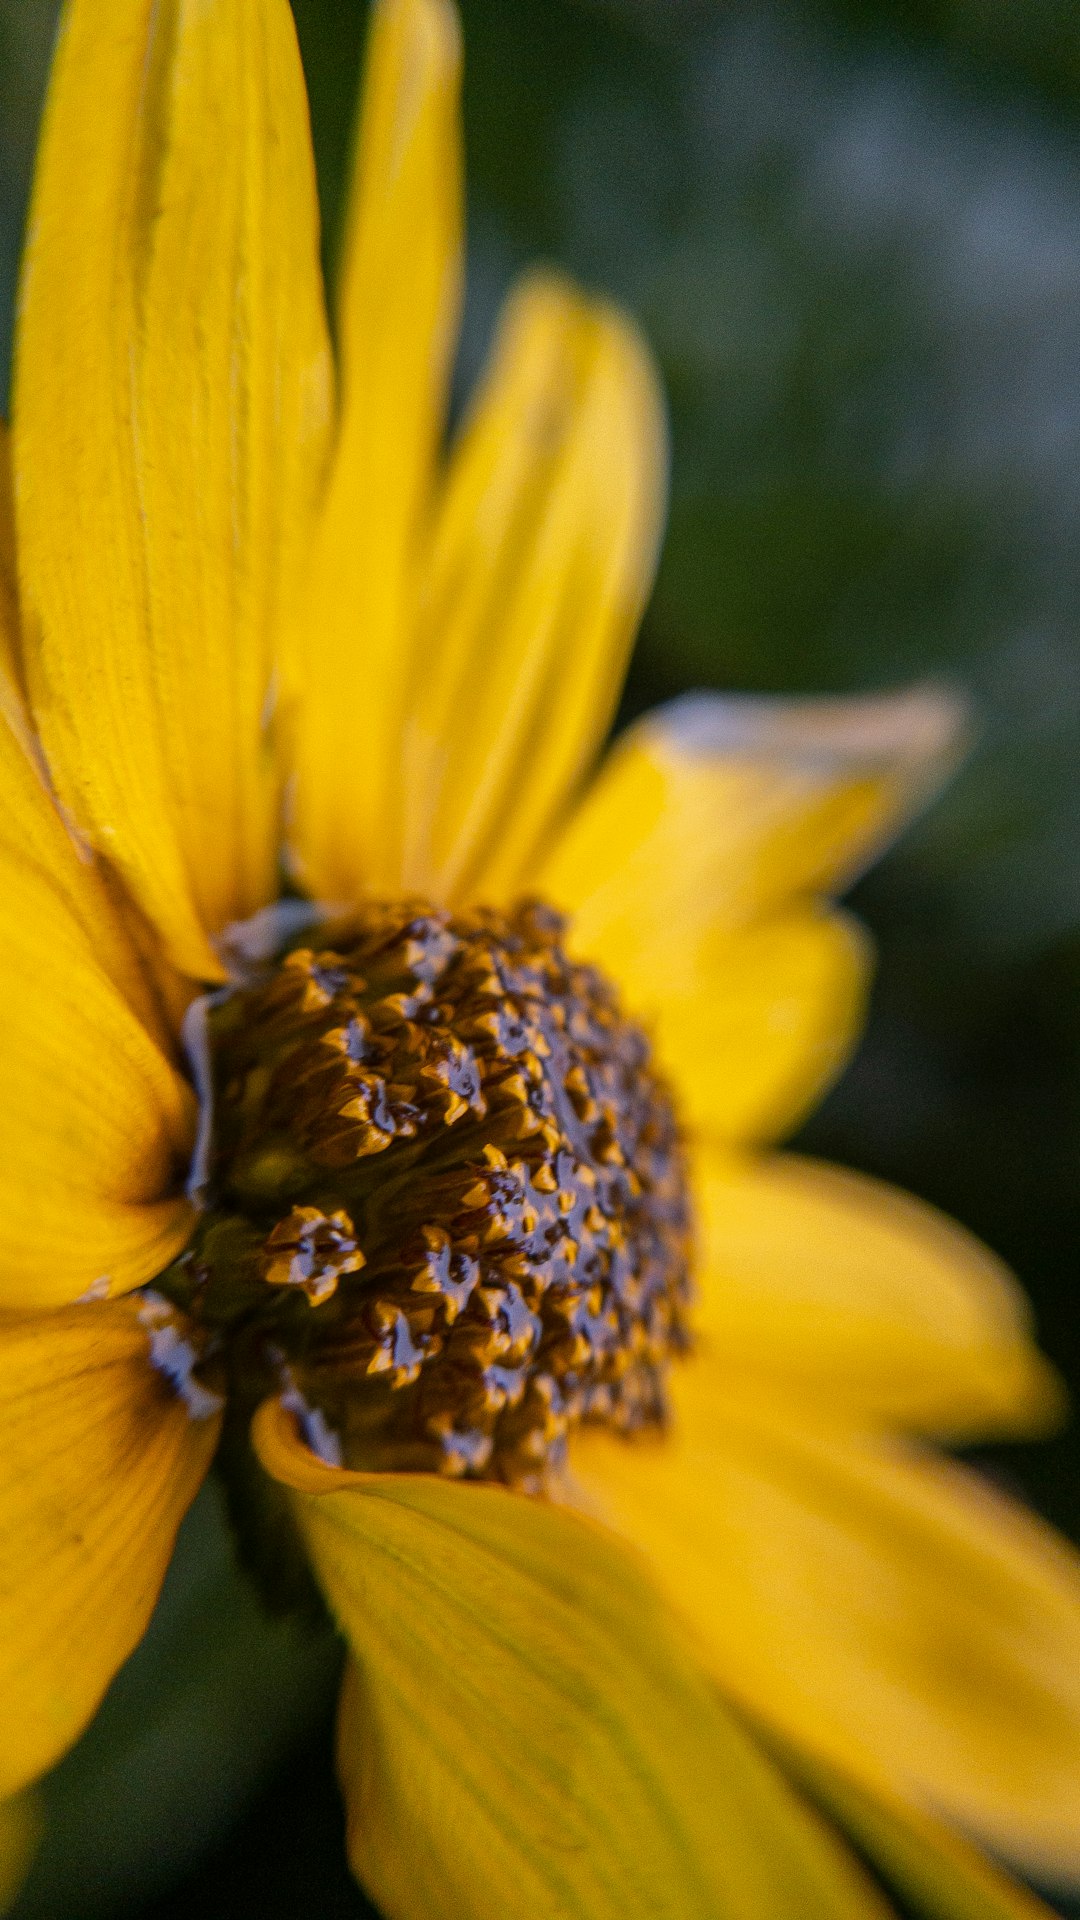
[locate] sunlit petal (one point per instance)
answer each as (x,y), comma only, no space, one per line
(397,320)
(171,400)
(96,1123)
(691,867)
(544,547)
(726,807)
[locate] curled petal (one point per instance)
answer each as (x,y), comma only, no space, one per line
(522,1730)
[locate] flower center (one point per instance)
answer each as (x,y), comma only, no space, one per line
(447,1199)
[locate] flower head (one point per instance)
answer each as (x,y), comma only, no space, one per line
(389,1095)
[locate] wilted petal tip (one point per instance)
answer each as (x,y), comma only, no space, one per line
(926,726)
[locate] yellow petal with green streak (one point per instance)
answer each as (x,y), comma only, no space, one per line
(543,552)
(99,1461)
(397,320)
(171,404)
(523,1731)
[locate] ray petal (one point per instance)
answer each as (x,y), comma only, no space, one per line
(96,1123)
(693,871)
(523,1730)
(838,1290)
(543,553)
(99,1460)
(883,1608)
(171,403)
(398,309)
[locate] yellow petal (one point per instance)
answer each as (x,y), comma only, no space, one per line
(96,1124)
(20,1831)
(398,310)
(171,397)
(881,1607)
(31,829)
(99,1461)
(751,1026)
(523,1732)
(544,548)
(717,811)
(690,872)
(942,1876)
(825,1285)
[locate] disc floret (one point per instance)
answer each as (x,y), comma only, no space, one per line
(448,1204)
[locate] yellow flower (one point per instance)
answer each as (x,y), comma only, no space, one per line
(230,601)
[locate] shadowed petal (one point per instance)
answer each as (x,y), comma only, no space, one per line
(881,1607)
(99,1460)
(20,1830)
(12,691)
(940,1873)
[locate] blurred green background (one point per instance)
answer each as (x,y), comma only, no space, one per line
(851,231)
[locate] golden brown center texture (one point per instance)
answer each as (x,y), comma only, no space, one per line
(447,1208)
